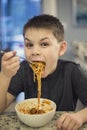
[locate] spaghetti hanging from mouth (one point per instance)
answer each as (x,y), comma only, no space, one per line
(38,68)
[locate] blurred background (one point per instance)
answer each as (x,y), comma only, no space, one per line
(15,13)
(13,16)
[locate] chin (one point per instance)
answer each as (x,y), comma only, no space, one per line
(44,75)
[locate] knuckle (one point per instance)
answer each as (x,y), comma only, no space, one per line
(64,126)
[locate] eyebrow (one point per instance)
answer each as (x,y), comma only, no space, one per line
(40,40)
(27,39)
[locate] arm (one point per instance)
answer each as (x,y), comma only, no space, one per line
(72,121)
(9,66)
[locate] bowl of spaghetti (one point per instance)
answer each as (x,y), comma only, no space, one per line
(28,112)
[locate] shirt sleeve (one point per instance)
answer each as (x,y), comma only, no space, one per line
(79,81)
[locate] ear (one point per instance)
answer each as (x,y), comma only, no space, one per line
(63,47)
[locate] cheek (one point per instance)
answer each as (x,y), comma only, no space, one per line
(51,62)
(27,53)
(51,58)
(52,54)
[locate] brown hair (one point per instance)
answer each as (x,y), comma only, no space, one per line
(47,22)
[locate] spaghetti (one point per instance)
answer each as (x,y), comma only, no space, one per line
(38,68)
(30,106)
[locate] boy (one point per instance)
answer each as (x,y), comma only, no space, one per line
(62,81)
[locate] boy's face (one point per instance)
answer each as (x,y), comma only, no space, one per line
(41,45)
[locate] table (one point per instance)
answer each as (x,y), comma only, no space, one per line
(10,121)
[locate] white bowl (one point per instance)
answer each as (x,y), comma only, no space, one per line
(35,120)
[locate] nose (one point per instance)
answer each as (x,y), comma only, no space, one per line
(35,50)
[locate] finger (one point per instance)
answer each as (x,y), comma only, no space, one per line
(60,121)
(13,60)
(9,63)
(14,65)
(66,122)
(74,122)
(71,125)
(8,55)
(11,70)
(75,127)
(16,69)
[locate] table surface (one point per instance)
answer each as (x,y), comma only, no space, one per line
(10,121)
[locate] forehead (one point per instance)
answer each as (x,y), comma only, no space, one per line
(38,32)
(32,30)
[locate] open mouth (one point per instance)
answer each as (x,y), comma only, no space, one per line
(43,62)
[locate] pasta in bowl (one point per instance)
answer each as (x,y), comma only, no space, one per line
(27,111)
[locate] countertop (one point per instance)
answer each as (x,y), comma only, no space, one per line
(10,121)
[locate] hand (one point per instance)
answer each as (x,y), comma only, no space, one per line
(10,64)
(69,121)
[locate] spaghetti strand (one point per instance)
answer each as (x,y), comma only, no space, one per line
(38,68)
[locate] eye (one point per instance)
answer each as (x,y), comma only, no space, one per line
(28,45)
(44,44)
